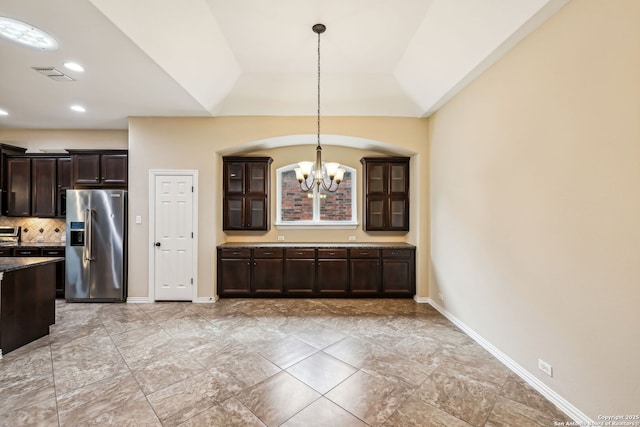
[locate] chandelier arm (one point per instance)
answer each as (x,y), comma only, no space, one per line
(304,185)
(330,188)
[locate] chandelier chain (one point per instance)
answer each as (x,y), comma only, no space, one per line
(318,88)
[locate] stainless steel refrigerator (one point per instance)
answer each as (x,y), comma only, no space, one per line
(96,249)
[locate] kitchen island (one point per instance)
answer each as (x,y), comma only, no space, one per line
(27,299)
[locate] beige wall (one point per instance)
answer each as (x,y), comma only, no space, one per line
(198,144)
(38,139)
(535,212)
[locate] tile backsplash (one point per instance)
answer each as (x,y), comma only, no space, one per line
(51,229)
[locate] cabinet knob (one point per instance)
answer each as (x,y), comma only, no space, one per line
(96,178)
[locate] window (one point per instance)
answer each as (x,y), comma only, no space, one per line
(319,208)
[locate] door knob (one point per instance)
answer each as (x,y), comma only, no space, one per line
(157,243)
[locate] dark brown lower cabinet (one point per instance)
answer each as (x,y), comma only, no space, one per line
(398,271)
(333,276)
(365,271)
(60,268)
(316,272)
(300,271)
(365,277)
(333,271)
(267,271)
(234,272)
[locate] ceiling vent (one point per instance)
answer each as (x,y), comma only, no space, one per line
(54,74)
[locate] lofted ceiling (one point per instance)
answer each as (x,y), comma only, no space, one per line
(252,57)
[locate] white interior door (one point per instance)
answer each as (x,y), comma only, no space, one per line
(173,239)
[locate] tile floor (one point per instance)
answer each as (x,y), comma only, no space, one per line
(250,362)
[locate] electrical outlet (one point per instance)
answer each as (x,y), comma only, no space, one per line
(545,367)
(40,239)
(280,238)
(352,238)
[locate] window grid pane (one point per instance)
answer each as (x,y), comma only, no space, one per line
(295,203)
(337,206)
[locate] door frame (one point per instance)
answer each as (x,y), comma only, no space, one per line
(153,173)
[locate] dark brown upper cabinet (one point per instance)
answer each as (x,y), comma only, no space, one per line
(100,168)
(386,193)
(43,188)
(246,193)
(18,186)
(5,151)
(32,186)
(65,182)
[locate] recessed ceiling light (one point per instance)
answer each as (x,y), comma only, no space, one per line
(74,66)
(21,32)
(78,108)
(3,113)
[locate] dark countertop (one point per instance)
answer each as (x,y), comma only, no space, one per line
(17,263)
(25,245)
(383,245)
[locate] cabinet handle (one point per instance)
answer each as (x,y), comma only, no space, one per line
(332,253)
(395,253)
(299,253)
(236,253)
(268,253)
(364,253)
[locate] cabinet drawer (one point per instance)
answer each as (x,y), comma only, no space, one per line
(52,252)
(5,252)
(396,253)
(364,253)
(236,253)
(267,253)
(26,252)
(301,253)
(332,253)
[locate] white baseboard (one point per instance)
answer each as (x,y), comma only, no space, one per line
(574,413)
(147,300)
(205,300)
(139,300)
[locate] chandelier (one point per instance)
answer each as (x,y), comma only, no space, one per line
(311,175)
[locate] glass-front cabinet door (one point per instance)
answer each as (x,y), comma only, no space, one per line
(234,216)
(246,193)
(376,174)
(234,177)
(256,214)
(386,193)
(257,178)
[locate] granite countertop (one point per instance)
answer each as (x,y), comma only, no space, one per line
(34,245)
(17,263)
(384,245)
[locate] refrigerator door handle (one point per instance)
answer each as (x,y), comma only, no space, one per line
(89,242)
